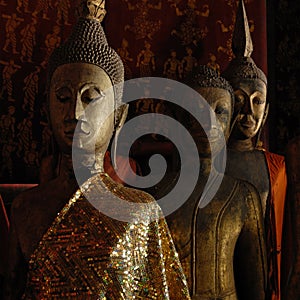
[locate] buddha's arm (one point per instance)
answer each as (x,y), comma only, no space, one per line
(17,267)
(250,253)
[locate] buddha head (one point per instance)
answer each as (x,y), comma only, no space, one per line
(219,95)
(248,81)
(250,90)
(85,78)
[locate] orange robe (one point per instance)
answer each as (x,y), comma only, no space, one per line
(276,204)
(122,167)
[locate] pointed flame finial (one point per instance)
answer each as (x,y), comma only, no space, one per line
(241,41)
(91,9)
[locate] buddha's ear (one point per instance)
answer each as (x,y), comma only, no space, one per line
(266,113)
(122,115)
(259,143)
(121,118)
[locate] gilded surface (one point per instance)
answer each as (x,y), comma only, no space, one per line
(92,9)
(221,247)
(87,255)
(253,169)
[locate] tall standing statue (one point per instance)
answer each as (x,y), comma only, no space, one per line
(265,170)
(63,245)
(220,245)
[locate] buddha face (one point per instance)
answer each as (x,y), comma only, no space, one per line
(220,103)
(79,96)
(249,108)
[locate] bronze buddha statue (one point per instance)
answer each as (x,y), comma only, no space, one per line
(246,159)
(221,244)
(61,245)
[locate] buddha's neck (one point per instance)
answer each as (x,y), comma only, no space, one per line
(99,162)
(205,166)
(241,145)
(66,166)
(88,166)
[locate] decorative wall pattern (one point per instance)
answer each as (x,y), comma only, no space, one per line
(30,30)
(153,37)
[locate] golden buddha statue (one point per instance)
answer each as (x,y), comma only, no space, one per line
(220,243)
(62,246)
(246,158)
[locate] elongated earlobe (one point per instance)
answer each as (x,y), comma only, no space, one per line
(266,113)
(122,112)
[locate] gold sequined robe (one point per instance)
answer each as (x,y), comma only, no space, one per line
(86,254)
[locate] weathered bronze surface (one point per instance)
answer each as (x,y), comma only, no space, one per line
(250,89)
(246,160)
(221,246)
(252,167)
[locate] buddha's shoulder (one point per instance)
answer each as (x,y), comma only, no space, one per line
(40,202)
(28,200)
(247,157)
(127,193)
(135,195)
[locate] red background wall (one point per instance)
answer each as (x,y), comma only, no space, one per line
(38,26)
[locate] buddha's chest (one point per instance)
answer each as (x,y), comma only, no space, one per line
(251,167)
(207,237)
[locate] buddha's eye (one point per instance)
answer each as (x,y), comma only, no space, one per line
(239,98)
(92,95)
(221,110)
(63,99)
(258,101)
(63,94)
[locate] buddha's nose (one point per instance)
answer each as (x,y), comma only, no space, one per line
(247,107)
(207,120)
(79,109)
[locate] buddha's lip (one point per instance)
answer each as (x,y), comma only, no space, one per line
(211,135)
(247,124)
(75,133)
(69,129)
(69,132)
(204,139)
(69,135)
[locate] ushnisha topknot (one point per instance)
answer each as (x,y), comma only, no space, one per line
(204,76)
(242,66)
(88,44)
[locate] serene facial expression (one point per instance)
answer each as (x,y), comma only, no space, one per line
(80,95)
(249,108)
(220,103)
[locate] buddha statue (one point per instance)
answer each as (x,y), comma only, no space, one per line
(220,243)
(63,245)
(246,158)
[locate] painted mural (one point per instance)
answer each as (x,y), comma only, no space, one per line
(153,37)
